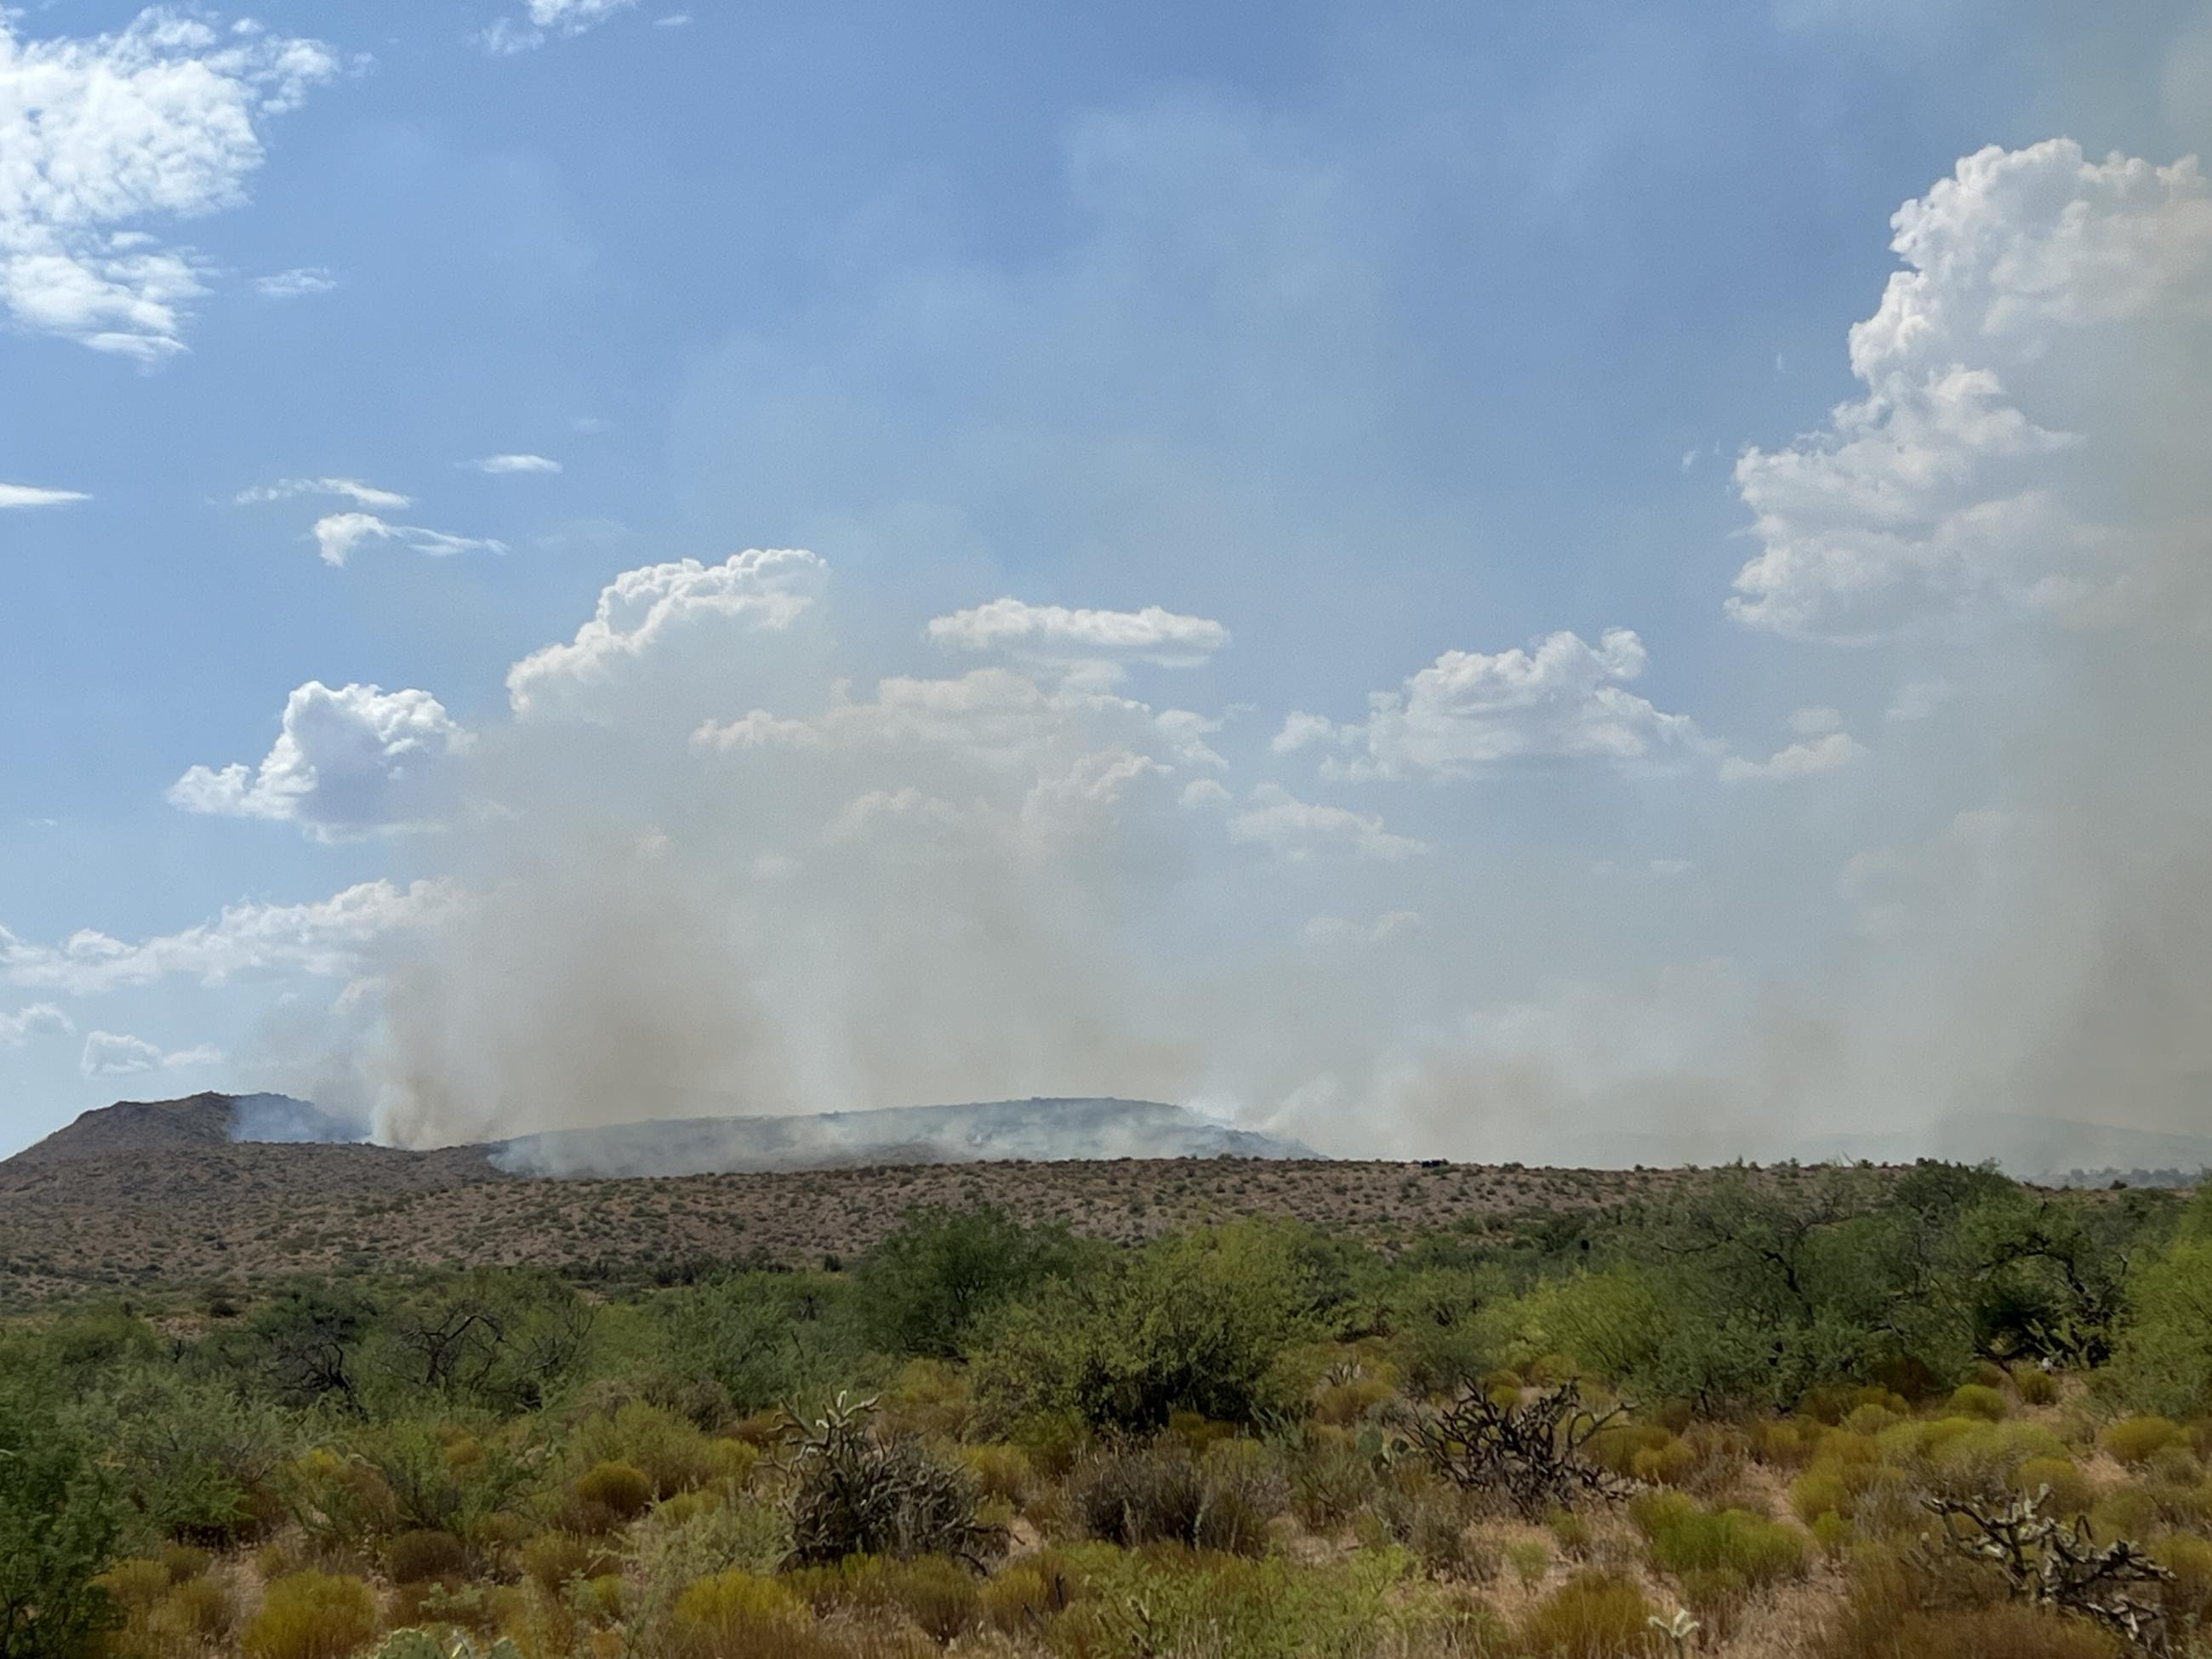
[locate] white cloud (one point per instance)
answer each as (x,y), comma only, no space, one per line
(30,496)
(39,1019)
(497,464)
(102,136)
(1815,721)
(293,284)
(349,762)
(351,489)
(646,615)
(542,19)
(327,938)
(674,20)
(2039,289)
(339,536)
(1295,829)
(1055,633)
(1799,760)
(108,1054)
(1560,698)
(1920,699)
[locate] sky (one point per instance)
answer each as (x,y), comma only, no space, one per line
(1595,581)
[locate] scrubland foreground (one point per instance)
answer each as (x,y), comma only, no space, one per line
(1836,1413)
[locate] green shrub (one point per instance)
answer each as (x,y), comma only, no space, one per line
(59,1522)
(1684,1538)
(929,1284)
(1978,1399)
(310,1615)
(2134,1440)
(735,1612)
(1593,1615)
(1193,1322)
(623,1489)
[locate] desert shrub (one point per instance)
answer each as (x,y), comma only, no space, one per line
(1166,1599)
(1021,1596)
(2134,1440)
(1331,1474)
(1890,1609)
(2071,1493)
(1530,1560)
(620,1490)
(672,1547)
(668,1448)
(939,1596)
(852,1494)
(735,1612)
(310,1615)
(1444,1325)
(2034,1385)
(765,1337)
(433,1478)
(1978,1399)
(59,1523)
(1593,1615)
(503,1339)
(1684,1538)
(1430,1519)
(1001,1471)
(1155,1491)
(929,1284)
(414,1557)
(2163,1360)
(195,1457)
(1196,1323)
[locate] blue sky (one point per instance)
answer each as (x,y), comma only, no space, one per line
(1365,337)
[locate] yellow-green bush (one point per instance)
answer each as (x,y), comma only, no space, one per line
(1001,1471)
(310,1615)
(669,1452)
(1021,1596)
(1684,1539)
(1978,1399)
(734,1612)
(2034,1385)
(1593,1615)
(2071,1491)
(2133,1440)
(608,1494)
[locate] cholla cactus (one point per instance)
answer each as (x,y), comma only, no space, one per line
(1678,1630)
(853,1494)
(2049,1563)
(420,1644)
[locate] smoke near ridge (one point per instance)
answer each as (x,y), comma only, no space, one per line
(707,855)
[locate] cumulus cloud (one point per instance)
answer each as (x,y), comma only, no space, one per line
(30,496)
(542,20)
(39,1019)
(351,489)
(1295,829)
(2034,338)
(1055,633)
(1561,698)
(1799,760)
(499,464)
(648,617)
(108,1055)
(349,761)
(339,536)
(327,938)
(105,135)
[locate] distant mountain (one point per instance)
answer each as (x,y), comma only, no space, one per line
(1039,1131)
(1036,1130)
(203,1120)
